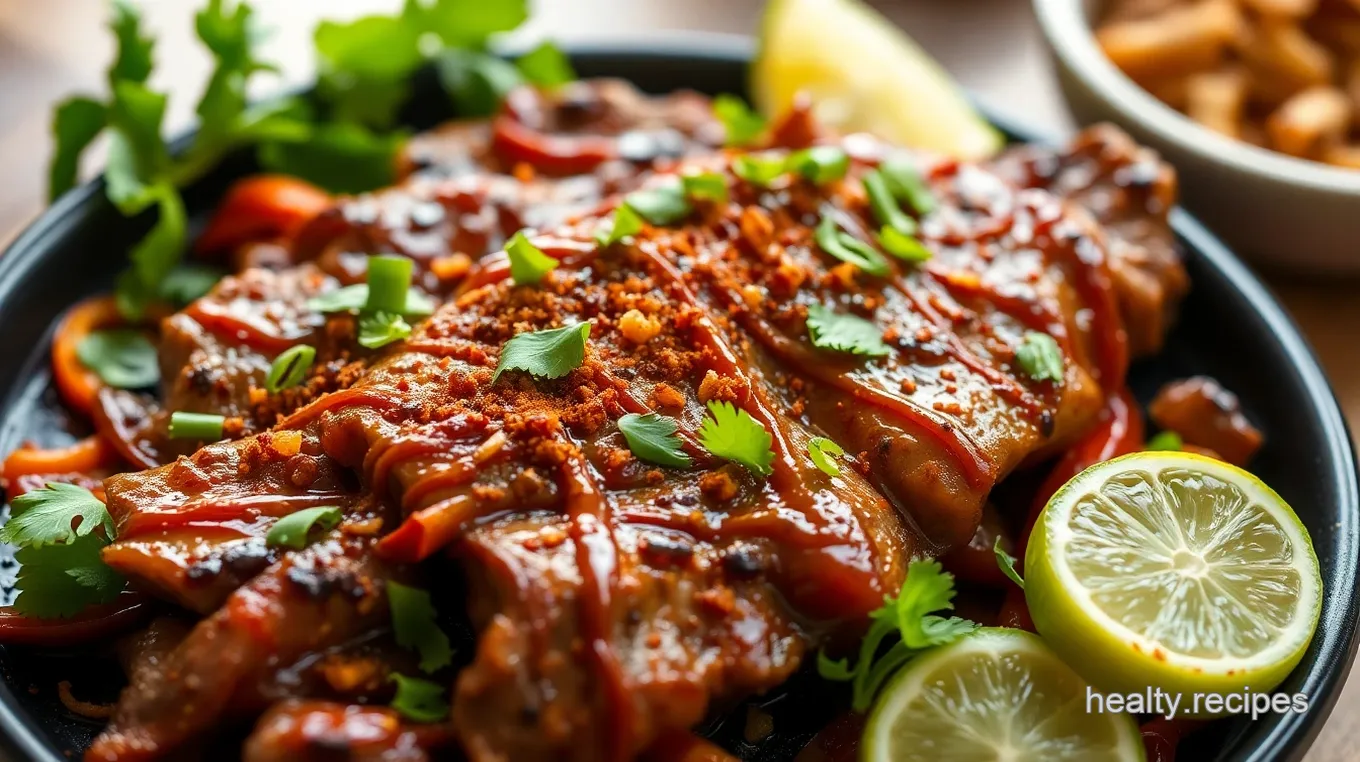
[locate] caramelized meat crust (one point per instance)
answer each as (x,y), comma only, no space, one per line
(616,602)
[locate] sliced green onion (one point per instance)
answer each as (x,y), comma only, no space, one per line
(848,248)
(884,205)
(907,185)
(290,368)
(902,245)
(820,164)
(203,427)
(389,278)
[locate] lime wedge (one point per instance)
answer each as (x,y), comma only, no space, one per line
(1173,571)
(864,75)
(994,695)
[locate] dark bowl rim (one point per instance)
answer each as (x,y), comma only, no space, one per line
(1288,739)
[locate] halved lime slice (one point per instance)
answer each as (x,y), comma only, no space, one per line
(994,695)
(1173,571)
(864,74)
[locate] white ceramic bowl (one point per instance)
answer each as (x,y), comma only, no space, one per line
(1272,209)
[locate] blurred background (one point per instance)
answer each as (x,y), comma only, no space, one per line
(50,48)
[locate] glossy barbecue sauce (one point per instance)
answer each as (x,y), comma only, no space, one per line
(797,523)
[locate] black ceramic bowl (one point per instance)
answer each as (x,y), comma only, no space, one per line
(1230,328)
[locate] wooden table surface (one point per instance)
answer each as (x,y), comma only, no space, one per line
(49,48)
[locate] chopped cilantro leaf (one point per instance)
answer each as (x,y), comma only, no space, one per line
(378,329)
(291,531)
(415,625)
(528,264)
(661,205)
(732,433)
(57,513)
(624,223)
(122,357)
(926,589)
(652,438)
(57,581)
(551,353)
(75,124)
(1040,357)
(824,453)
(829,329)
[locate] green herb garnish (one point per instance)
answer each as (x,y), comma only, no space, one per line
(528,263)
(292,531)
(662,205)
(732,433)
(122,357)
(824,453)
(290,368)
(829,329)
(378,329)
(884,205)
(759,169)
(62,572)
(705,186)
(652,438)
(624,223)
(545,66)
(419,700)
(903,246)
(743,125)
(1166,441)
(1040,357)
(1006,562)
(415,625)
(820,165)
(848,248)
(927,588)
(907,185)
(551,353)
(204,427)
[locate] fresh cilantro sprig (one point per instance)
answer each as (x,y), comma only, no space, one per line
(60,531)
(342,139)
(829,329)
(652,437)
(908,615)
(552,353)
(731,433)
(415,625)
